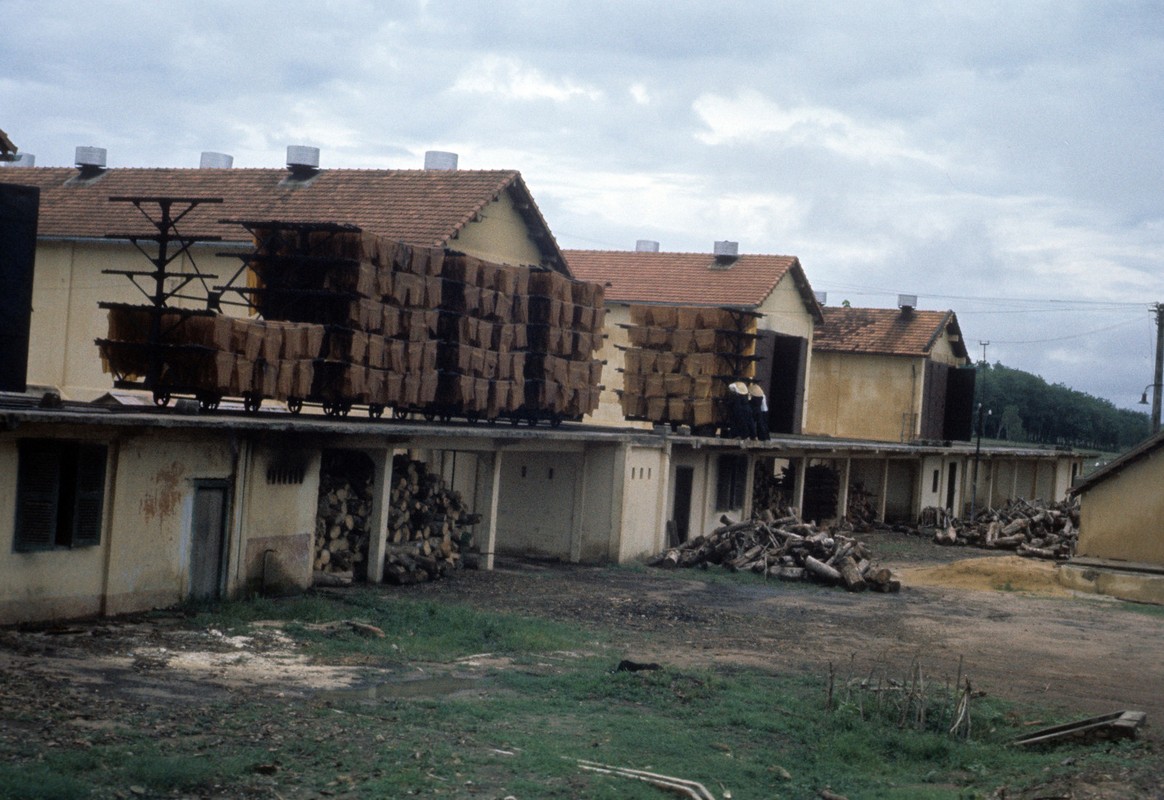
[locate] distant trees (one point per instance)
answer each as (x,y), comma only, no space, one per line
(1025,408)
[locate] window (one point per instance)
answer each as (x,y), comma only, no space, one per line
(60,491)
(731,482)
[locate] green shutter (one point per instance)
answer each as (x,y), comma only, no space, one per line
(90,495)
(37,489)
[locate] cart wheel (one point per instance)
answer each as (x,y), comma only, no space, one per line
(161,398)
(514,420)
(252,402)
(209,402)
(375,410)
(429,416)
(532,419)
(555,420)
(330,409)
(344,408)
(294,405)
(400,413)
(472,417)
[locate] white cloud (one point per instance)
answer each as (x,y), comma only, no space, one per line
(514,80)
(639,94)
(751,117)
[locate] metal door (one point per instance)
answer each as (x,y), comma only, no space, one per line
(208,540)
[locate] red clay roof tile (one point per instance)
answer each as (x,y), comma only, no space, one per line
(885,331)
(421,207)
(687,278)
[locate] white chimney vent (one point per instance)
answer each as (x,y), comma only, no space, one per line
(646,246)
(90,158)
(21,160)
(726,249)
(212,160)
(821,297)
(907,302)
(440,160)
(301,158)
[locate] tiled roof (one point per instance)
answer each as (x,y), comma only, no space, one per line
(421,207)
(687,278)
(885,331)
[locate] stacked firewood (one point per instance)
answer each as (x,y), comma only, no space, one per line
(341,527)
(1035,529)
(784,548)
(430,530)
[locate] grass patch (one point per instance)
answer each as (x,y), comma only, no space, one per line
(522,732)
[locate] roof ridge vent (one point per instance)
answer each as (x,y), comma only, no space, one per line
(212,160)
(19,160)
(907,303)
(303,161)
(440,160)
(646,246)
(90,160)
(821,297)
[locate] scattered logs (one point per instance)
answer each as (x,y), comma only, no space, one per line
(784,548)
(1033,529)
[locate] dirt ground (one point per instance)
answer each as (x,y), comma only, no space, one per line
(1017,634)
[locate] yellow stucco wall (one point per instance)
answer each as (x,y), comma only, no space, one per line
(1122,518)
(67,286)
(143,559)
(644,495)
(864,396)
(500,234)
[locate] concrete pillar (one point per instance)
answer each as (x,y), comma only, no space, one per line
(843,493)
(801,479)
(489,492)
(881,496)
(378,521)
(749,488)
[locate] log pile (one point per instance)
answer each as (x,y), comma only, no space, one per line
(341,525)
(1034,529)
(784,548)
(430,530)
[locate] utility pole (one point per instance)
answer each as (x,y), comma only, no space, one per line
(978,446)
(1158,378)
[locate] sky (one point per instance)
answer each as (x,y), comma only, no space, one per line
(1000,159)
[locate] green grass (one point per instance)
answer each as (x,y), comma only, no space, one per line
(755,733)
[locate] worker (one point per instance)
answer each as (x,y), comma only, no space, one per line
(759,407)
(742,424)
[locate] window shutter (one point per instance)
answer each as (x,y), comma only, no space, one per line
(90,495)
(37,488)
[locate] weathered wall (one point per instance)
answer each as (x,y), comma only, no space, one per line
(1120,518)
(535,510)
(703,512)
(500,234)
(278,522)
(601,502)
(864,397)
(645,483)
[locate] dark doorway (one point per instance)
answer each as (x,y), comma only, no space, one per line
(19,208)
(208,540)
(951,485)
(780,366)
(681,508)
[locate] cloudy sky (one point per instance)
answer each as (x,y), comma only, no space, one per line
(1002,159)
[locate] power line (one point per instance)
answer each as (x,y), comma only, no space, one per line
(1068,336)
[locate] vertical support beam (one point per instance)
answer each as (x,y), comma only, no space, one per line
(617,498)
(749,488)
(665,502)
(881,496)
(579,509)
(801,478)
(489,485)
(381,504)
(843,493)
(1014,480)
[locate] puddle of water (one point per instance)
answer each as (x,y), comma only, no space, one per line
(440,686)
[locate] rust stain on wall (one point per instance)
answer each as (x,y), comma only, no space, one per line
(166,497)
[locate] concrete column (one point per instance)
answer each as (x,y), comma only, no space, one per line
(843,494)
(801,479)
(489,489)
(579,508)
(749,488)
(881,495)
(378,521)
